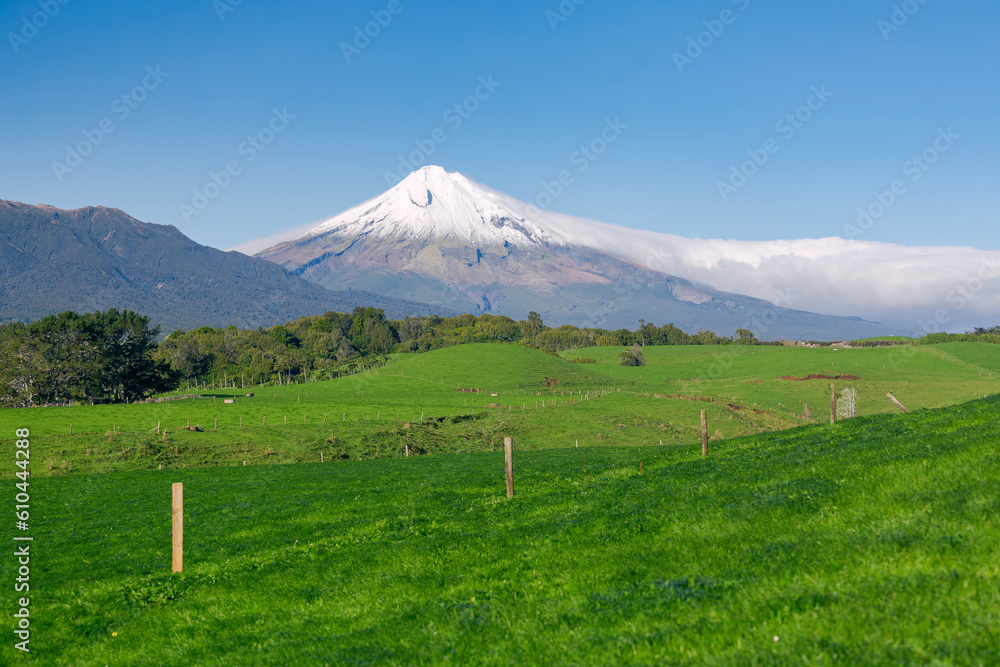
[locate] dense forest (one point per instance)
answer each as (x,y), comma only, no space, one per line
(97,357)
(115,357)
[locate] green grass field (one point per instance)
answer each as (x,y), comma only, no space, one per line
(872,541)
(545,401)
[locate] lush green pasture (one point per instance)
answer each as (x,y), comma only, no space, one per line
(977,355)
(615,419)
(545,401)
(412,384)
(875,541)
(919,376)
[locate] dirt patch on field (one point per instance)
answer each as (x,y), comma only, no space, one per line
(715,401)
(550,382)
(469,391)
(821,377)
(703,399)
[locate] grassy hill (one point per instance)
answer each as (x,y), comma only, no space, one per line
(874,541)
(545,401)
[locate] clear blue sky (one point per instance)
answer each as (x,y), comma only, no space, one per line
(892,92)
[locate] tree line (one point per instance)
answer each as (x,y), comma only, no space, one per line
(977,335)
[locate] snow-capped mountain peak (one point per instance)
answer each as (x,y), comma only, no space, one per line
(432,203)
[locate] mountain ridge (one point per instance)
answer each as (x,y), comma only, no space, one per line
(94,258)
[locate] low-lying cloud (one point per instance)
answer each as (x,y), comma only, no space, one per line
(921,288)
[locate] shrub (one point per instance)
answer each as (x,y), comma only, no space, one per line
(632,356)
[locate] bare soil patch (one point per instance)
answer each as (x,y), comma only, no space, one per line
(821,377)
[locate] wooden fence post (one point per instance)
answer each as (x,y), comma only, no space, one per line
(833,404)
(704,433)
(898,404)
(508,456)
(177,516)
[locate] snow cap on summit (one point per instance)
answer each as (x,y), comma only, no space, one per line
(433,203)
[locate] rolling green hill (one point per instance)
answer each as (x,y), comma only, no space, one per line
(874,541)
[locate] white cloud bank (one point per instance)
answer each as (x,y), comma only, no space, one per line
(925,289)
(921,288)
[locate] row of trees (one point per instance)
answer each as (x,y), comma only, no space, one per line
(97,357)
(978,335)
(324,346)
(429,333)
